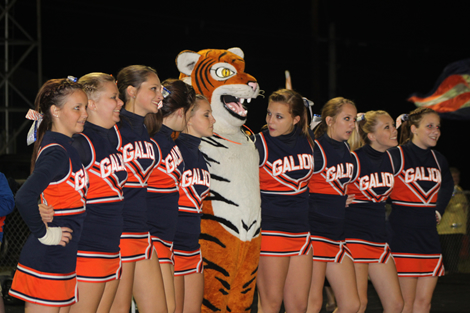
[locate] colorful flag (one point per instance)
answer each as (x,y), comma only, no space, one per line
(450,97)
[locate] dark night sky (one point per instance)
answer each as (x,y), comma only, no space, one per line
(385,50)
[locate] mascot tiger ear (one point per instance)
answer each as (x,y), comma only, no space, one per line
(186,60)
(237,51)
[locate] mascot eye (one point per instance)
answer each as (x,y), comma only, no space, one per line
(223,72)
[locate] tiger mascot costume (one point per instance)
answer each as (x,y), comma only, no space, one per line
(230,228)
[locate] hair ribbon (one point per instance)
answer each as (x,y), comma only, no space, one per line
(359,117)
(400,119)
(309,104)
(36,117)
(316,119)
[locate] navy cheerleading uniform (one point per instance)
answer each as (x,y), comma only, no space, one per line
(193,188)
(140,156)
(333,171)
(365,225)
(98,250)
(286,165)
(163,195)
(46,273)
(423,186)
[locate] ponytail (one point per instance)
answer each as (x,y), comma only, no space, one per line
(53,92)
(332,108)
(414,118)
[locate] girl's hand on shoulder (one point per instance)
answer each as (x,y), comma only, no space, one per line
(438,217)
(349,200)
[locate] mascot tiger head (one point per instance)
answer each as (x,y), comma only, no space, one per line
(220,76)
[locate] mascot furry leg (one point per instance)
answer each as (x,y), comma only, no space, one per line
(230,228)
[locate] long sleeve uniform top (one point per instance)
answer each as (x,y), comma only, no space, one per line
(286,166)
(60,179)
(423,184)
(333,172)
(140,155)
(107,174)
(372,184)
(163,194)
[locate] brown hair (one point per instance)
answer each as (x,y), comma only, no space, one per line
(195,106)
(132,75)
(194,109)
(332,108)
(93,83)
(296,108)
(365,126)
(181,95)
(414,118)
(53,92)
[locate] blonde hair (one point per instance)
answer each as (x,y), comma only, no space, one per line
(332,108)
(93,83)
(364,127)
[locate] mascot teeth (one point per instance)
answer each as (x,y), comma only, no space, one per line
(248,100)
(235,105)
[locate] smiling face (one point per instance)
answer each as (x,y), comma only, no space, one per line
(147,98)
(70,118)
(428,132)
(201,123)
(384,135)
(341,126)
(106,106)
(279,119)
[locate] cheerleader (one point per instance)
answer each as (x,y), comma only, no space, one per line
(163,194)
(45,277)
(286,165)
(423,187)
(194,187)
(328,188)
(365,217)
(140,90)
(99,262)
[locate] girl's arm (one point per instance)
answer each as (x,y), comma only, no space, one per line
(52,165)
(447,186)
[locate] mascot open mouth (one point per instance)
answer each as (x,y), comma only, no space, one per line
(235,106)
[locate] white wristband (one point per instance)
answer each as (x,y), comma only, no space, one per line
(439,217)
(52,237)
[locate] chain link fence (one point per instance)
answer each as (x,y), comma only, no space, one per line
(15,233)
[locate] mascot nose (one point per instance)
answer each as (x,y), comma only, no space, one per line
(253,85)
